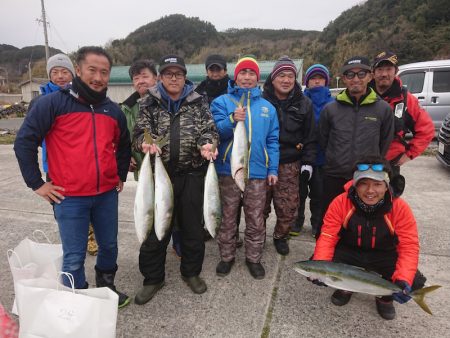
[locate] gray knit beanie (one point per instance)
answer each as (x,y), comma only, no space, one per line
(60,60)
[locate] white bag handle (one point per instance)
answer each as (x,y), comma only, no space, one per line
(12,252)
(69,276)
(43,234)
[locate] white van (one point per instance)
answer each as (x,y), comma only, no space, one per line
(430,82)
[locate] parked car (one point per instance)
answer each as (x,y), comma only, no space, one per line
(443,154)
(430,82)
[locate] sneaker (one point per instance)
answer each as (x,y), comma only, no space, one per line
(295,229)
(147,292)
(385,308)
(196,284)
(341,297)
(281,245)
(256,269)
(224,268)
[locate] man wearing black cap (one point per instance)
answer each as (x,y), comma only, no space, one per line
(357,124)
(216,82)
(408,115)
(172,109)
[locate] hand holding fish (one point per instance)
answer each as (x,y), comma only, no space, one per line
(50,193)
(239,114)
(208,152)
(152,148)
(272,180)
(316,281)
(403,295)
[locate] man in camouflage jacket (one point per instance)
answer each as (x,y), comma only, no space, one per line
(173,110)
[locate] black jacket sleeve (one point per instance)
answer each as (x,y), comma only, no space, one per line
(309,151)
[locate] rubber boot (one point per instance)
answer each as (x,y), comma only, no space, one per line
(106,279)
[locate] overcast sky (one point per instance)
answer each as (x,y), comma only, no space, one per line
(75,23)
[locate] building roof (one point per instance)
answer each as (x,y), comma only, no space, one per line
(38,80)
(197,72)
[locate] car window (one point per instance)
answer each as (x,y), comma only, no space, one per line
(441,81)
(413,81)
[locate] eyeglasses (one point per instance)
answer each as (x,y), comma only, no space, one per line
(169,75)
(374,167)
(361,74)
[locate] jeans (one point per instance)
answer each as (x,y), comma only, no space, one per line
(73,215)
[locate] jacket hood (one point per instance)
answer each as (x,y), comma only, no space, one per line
(234,89)
(394,91)
(369,98)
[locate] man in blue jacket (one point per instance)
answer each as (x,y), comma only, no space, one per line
(261,124)
(89,153)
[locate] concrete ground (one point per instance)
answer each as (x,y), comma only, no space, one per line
(284,304)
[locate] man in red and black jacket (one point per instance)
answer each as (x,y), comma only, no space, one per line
(89,150)
(409,116)
(367,227)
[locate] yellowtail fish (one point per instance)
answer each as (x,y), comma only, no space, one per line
(351,278)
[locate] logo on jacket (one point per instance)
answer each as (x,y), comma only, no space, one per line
(370,118)
(264,111)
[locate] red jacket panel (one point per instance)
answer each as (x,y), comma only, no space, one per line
(423,127)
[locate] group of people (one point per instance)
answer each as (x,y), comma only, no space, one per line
(338,151)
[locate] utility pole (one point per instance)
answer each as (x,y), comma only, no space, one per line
(44,21)
(31,80)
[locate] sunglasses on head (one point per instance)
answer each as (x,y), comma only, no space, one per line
(361,74)
(374,167)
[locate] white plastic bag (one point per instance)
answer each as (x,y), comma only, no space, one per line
(49,309)
(32,259)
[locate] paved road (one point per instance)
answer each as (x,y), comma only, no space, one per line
(11,123)
(283,304)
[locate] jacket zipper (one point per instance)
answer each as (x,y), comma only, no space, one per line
(359,234)
(97,164)
(374,231)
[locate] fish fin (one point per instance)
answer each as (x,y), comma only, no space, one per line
(147,137)
(419,296)
(161,141)
(239,104)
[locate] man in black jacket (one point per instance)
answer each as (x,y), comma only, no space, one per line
(216,82)
(357,124)
(297,144)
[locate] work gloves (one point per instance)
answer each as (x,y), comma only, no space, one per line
(403,295)
(316,281)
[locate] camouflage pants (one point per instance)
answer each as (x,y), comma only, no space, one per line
(255,229)
(285,196)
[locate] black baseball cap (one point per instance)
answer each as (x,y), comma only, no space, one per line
(217,60)
(385,56)
(172,60)
(356,62)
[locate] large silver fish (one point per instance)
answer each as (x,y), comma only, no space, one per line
(144,201)
(212,207)
(240,152)
(350,278)
(163,199)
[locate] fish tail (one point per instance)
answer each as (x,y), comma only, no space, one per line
(419,296)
